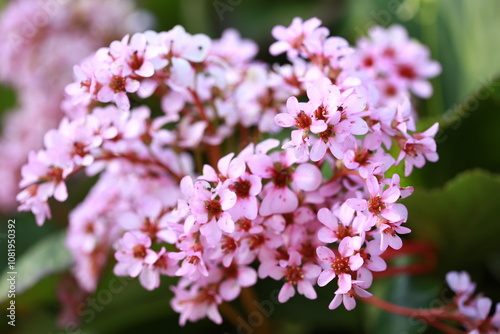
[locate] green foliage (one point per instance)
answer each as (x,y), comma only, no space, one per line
(461,219)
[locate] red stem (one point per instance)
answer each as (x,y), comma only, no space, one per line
(424,250)
(430,317)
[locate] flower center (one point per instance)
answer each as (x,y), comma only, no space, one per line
(303,121)
(406,71)
(139,251)
(340,265)
(294,274)
(213,208)
(117,84)
(282,176)
(241,188)
(376,205)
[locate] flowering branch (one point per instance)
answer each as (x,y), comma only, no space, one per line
(265,210)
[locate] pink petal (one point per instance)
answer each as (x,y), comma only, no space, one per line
(326,235)
(236,168)
(276,272)
(122,101)
(147,70)
(307,177)
(391,194)
(327,218)
(225,223)
(373,185)
(318,150)
(305,288)
(336,301)
(278,47)
(227,199)
(357,204)
(209,174)
(229,290)
(349,302)
(172,103)
(106,94)
(325,277)
(325,254)
(223,163)
(355,262)
(278,201)
(247,276)
(149,278)
(344,283)
(261,165)
(132,86)
(286,292)
(61,192)
(187,186)
(284,120)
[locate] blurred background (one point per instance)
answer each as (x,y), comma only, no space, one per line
(454,207)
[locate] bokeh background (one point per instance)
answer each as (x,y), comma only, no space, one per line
(455,205)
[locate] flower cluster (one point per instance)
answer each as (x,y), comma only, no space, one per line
(473,312)
(38,41)
(188,187)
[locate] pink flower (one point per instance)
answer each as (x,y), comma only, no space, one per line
(279,198)
(381,202)
(341,266)
(233,48)
(195,303)
(209,208)
(460,282)
(115,86)
(291,39)
(135,53)
(389,232)
(133,253)
(363,281)
(237,275)
(418,148)
(303,122)
(150,274)
(342,113)
(297,275)
(335,230)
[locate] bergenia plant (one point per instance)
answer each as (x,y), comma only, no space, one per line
(194,182)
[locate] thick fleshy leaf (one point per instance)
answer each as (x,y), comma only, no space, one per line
(46,257)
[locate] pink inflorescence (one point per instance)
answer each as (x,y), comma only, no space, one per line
(474,312)
(264,210)
(41,42)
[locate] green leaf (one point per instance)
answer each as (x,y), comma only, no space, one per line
(468,42)
(461,219)
(46,257)
(404,290)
